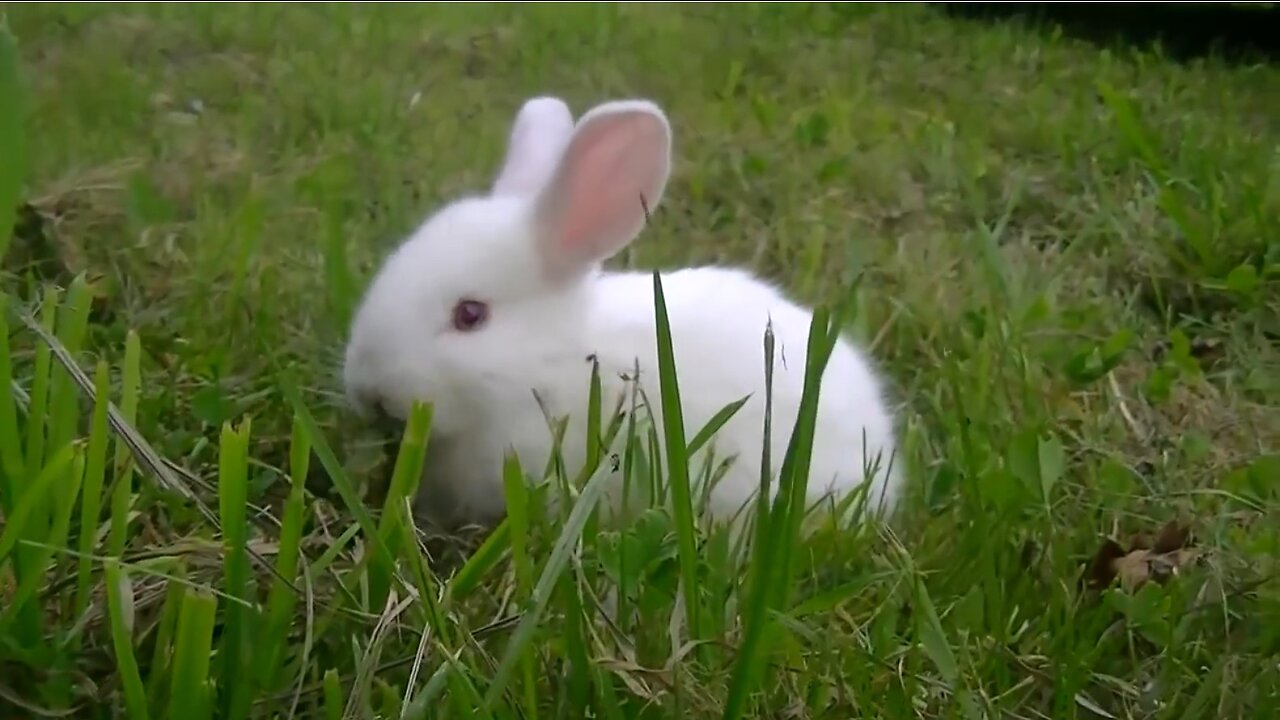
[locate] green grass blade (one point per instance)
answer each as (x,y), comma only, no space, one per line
(421,706)
(1209,689)
(91,498)
(824,333)
(12,147)
(71,322)
(713,425)
(189,690)
(334,702)
(28,522)
(481,562)
(160,671)
(575,643)
(517,501)
(337,267)
(64,496)
(762,549)
(463,693)
(233,498)
(140,448)
(122,491)
(409,463)
(1131,129)
(777,530)
(72,325)
(67,499)
(337,474)
(38,424)
(607,696)
(793,481)
(282,599)
(120,612)
(595,435)
(425,581)
(595,439)
(11,461)
(38,412)
(932,637)
(547,582)
(677,462)
(760,570)
(34,497)
(428,586)
(405,478)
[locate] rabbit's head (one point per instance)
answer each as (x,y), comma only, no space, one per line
(492,285)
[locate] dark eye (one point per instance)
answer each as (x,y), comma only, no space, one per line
(469,314)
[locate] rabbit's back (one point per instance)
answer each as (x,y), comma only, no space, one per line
(718,319)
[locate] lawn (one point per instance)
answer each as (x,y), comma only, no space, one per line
(1066,257)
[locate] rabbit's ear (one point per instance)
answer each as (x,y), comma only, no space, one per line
(615,167)
(538,137)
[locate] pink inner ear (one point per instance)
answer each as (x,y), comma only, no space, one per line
(601,188)
(607,168)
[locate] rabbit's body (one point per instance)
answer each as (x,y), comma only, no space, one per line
(495,310)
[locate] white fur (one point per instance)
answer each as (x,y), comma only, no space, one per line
(526,253)
(538,137)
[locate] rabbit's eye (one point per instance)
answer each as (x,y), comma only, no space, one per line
(469,314)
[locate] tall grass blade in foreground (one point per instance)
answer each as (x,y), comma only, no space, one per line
(160,670)
(934,641)
(38,419)
(72,325)
(36,529)
(238,622)
(91,498)
(677,461)
(142,450)
(38,456)
(282,599)
(12,151)
(793,481)
(475,570)
(189,694)
(12,468)
(404,485)
(120,613)
(547,582)
(122,491)
(337,474)
(517,501)
(778,521)
(713,425)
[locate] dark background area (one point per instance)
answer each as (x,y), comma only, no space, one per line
(1233,32)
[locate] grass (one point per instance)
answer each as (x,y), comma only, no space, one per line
(1067,265)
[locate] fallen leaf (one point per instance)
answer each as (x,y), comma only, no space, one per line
(1133,569)
(1144,560)
(1173,536)
(1165,566)
(1101,570)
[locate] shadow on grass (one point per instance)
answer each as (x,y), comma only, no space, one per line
(1236,33)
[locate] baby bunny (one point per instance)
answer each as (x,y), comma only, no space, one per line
(497,305)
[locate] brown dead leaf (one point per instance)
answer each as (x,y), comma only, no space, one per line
(1133,569)
(1173,536)
(1101,571)
(1144,560)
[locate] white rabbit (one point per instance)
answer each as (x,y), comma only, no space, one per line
(495,307)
